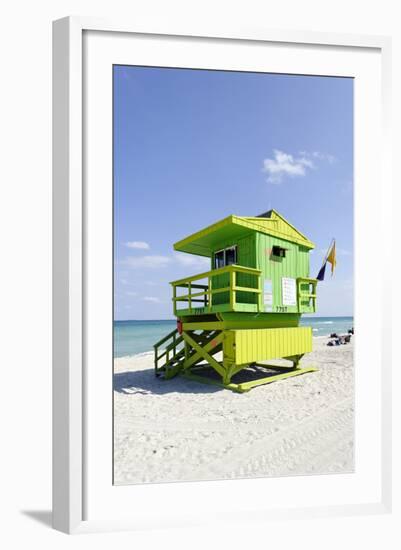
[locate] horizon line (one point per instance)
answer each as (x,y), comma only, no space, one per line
(174,319)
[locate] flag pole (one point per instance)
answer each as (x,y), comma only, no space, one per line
(320,275)
(328,250)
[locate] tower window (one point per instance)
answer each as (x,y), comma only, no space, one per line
(278,251)
(219,259)
(231,255)
(228,256)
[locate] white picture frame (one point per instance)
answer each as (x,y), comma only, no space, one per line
(73,475)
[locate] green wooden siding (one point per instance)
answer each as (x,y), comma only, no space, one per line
(255,250)
(295,264)
(303,262)
(246,256)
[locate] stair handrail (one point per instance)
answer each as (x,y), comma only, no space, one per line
(165,338)
(172,346)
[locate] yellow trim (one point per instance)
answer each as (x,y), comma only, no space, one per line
(261,225)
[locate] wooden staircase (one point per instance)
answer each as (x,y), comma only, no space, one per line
(173,355)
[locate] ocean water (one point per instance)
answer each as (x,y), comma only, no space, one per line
(133,337)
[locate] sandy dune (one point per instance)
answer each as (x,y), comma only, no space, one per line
(180,430)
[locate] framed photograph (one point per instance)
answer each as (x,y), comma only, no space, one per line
(220,289)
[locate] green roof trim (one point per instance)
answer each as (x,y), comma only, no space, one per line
(204,241)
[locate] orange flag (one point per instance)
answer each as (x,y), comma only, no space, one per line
(331,257)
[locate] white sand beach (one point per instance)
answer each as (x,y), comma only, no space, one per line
(180,430)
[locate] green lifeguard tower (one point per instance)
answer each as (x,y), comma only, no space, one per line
(244,311)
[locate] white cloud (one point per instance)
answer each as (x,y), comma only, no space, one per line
(285,164)
(145,262)
(131,293)
(152,299)
(190,260)
(139,245)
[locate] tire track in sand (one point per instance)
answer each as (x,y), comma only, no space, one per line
(296,446)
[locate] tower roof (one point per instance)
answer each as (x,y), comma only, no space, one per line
(271,222)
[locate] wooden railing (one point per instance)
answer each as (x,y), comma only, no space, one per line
(306,291)
(204,292)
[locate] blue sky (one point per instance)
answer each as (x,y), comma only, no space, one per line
(191,147)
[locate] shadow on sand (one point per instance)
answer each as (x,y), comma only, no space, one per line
(145,382)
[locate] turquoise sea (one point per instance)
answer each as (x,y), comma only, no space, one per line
(133,337)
